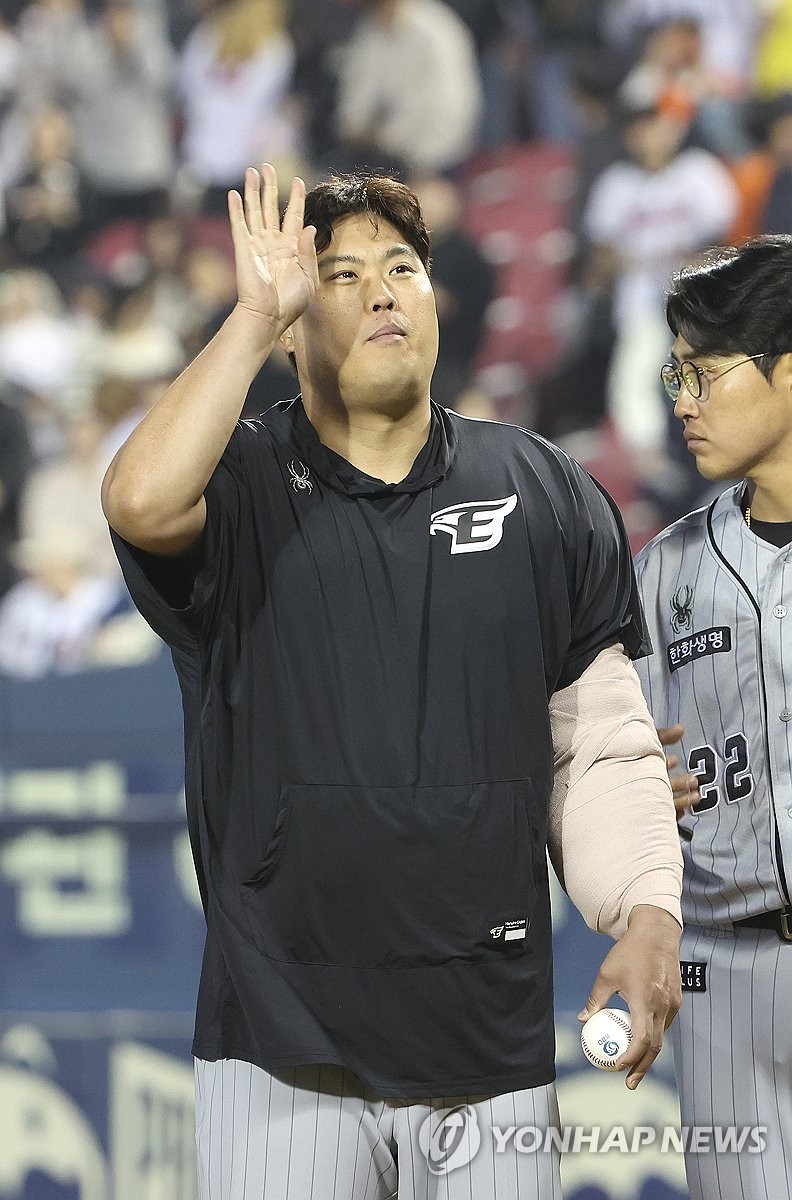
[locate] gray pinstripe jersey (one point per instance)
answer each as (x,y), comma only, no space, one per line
(718,603)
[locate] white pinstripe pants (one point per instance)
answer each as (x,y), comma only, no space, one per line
(733,1060)
(315,1133)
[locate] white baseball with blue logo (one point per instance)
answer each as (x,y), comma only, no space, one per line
(605,1037)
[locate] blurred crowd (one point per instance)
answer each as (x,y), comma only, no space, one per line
(123,123)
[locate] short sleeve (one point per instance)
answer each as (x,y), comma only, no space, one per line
(605,605)
(183,597)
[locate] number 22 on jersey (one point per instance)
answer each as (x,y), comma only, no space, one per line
(736,781)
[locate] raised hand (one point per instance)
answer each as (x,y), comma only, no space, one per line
(276,268)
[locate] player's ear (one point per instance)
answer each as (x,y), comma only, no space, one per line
(286,340)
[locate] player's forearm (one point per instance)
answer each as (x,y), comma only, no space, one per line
(618,844)
(612,828)
(152,492)
(655,922)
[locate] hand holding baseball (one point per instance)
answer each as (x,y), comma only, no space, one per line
(642,968)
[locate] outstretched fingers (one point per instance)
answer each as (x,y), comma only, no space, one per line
(260,206)
(269,188)
(295,209)
(239,226)
(253,213)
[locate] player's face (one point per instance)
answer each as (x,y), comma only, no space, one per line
(742,424)
(369,337)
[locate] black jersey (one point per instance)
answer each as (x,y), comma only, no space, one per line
(365,670)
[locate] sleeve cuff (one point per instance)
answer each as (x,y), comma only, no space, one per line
(661,888)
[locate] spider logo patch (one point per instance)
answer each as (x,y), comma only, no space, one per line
(298,473)
(682,608)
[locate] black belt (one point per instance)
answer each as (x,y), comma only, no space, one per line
(779,921)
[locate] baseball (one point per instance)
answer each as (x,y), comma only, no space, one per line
(605,1037)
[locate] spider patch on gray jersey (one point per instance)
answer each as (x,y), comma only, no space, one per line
(682,608)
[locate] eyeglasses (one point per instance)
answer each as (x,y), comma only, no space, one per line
(695,378)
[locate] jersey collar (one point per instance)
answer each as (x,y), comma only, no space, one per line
(433,463)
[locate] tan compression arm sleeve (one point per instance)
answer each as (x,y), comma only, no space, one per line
(612,832)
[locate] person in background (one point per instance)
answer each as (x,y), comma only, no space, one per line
(63,492)
(38,343)
(112,71)
(50,616)
(644,214)
(463,282)
(729,31)
(673,73)
(319,30)
(235,74)
(49,208)
(777,212)
(410,87)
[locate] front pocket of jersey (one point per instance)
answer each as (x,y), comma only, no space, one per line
(396,877)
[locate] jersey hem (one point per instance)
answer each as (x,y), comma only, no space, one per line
(491,1085)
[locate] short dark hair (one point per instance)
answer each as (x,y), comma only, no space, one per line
(377,196)
(737,299)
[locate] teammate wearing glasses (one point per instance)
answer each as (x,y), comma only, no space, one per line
(717,589)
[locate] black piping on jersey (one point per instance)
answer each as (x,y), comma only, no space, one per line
(776,839)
